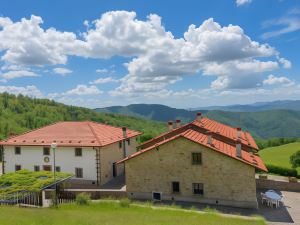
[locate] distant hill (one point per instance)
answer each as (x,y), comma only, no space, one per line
(151,111)
(256,107)
(262,124)
(19,114)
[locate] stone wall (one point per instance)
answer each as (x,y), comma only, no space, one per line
(277,185)
(226,181)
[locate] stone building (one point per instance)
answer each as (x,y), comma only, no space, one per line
(203,161)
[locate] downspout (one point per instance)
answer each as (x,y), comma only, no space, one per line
(2,158)
(98,169)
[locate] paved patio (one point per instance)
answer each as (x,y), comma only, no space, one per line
(284,215)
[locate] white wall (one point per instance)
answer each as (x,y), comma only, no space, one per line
(65,158)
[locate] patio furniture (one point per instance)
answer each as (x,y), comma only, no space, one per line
(264,198)
(273,198)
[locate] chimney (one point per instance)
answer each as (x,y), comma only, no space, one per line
(178,123)
(170,125)
(209,137)
(238,132)
(199,116)
(238,148)
(124,141)
(124,132)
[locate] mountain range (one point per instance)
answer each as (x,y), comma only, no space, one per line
(263,120)
(258,106)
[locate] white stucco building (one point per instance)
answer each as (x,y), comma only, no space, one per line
(87,149)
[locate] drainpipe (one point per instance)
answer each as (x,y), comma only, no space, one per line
(2,158)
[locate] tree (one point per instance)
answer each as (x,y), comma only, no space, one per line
(295,159)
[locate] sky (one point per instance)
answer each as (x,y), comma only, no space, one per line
(184,54)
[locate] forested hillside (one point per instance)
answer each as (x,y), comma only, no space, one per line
(19,114)
(262,124)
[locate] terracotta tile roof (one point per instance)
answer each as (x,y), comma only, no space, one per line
(216,145)
(226,131)
(221,131)
(84,133)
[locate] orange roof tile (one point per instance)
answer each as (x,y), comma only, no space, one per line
(205,124)
(84,133)
(226,131)
(216,145)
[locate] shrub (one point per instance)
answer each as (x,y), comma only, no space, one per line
(282,170)
(295,159)
(125,202)
(83,199)
(210,210)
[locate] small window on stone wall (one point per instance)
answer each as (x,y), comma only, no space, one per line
(196,158)
(175,187)
(198,188)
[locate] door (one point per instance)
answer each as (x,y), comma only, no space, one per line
(114,169)
(47,168)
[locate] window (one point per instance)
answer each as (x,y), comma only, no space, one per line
(47,168)
(17,150)
(156,196)
(128,141)
(196,158)
(57,168)
(36,168)
(78,172)
(120,144)
(175,187)
(17,167)
(198,188)
(78,151)
(46,151)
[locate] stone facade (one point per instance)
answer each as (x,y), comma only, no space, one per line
(226,181)
(113,153)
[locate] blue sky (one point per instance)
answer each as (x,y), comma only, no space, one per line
(184,54)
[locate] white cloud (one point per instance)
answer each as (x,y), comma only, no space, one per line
(286,63)
(286,24)
(105,80)
(272,80)
(242,2)
(158,59)
(26,43)
(102,71)
(17,74)
(31,91)
(83,90)
(62,71)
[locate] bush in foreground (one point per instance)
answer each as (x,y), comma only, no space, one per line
(282,170)
(295,159)
(125,202)
(83,199)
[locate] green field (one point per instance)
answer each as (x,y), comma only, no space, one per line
(280,155)
(113,213)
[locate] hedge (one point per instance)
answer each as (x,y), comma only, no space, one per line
(282,170)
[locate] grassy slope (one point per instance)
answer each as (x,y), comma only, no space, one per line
(280,155)
(112,214)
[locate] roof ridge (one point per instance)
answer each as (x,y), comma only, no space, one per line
(94,133)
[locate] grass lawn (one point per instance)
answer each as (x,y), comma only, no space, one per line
(280,155)
(113,213)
